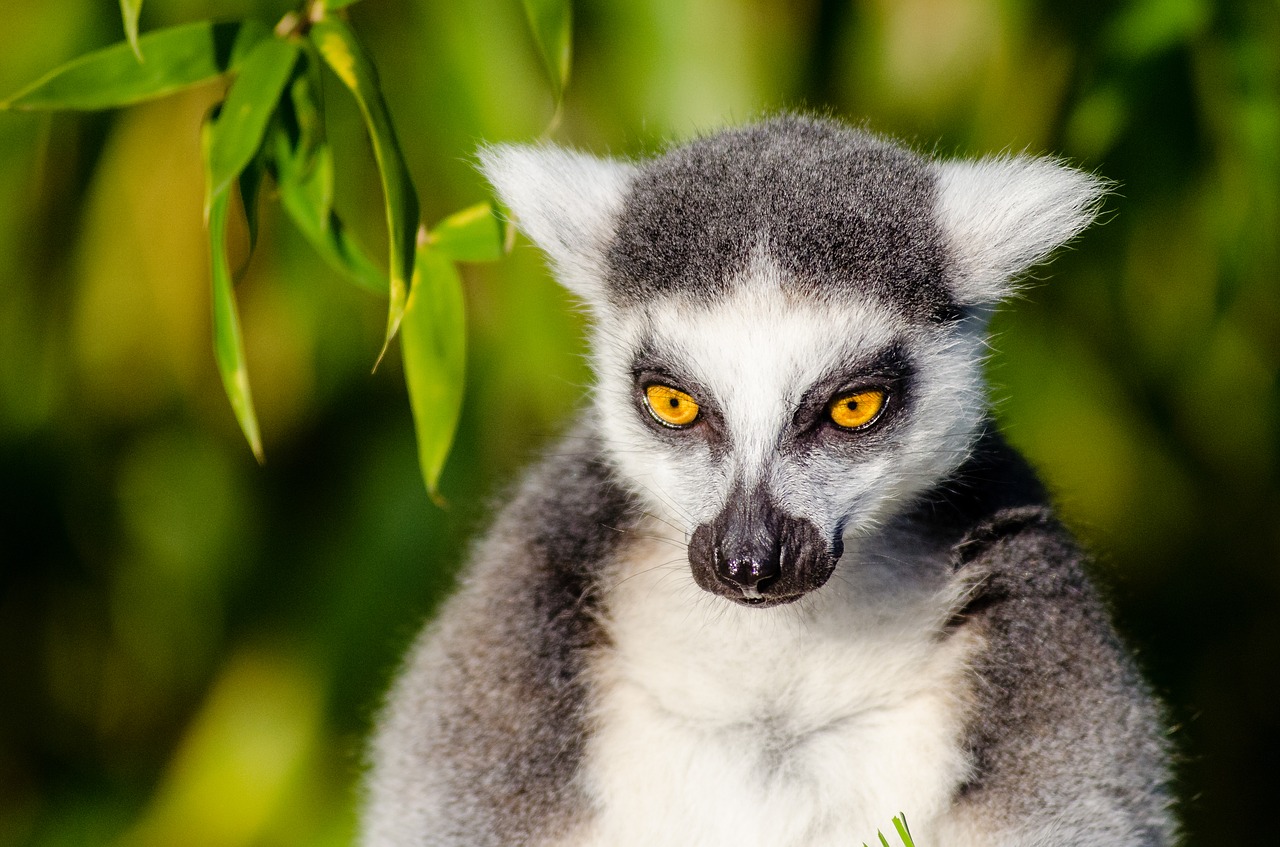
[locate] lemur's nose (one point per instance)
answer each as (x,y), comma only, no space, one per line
(748,549)
(756,554)
(751,574)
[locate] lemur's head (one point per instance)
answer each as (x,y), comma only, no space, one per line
(789,321)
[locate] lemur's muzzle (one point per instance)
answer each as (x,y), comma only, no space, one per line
(755,554)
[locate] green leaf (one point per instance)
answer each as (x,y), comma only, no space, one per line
(252,100)
(306,192)
(432,340)
(471,235)
(338,45)
(129,10)
(305,107)
(900,824)
(883,841)
(250,183)
(335,5)
(173,59)
(302,164)
(551,22)
(228,343)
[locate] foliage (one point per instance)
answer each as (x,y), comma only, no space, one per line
(899,826)
(272,122)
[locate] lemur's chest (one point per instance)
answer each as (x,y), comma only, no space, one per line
(814,725)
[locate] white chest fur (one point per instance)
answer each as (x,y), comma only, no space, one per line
(810,724)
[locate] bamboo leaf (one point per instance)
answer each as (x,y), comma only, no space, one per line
(432,340)
(340,50)
(305,108)
(238,132)
(471,235)
(250,184)
(306,192)
(228,342)
(129,10)
(173,59)
(551,22)
(302,164)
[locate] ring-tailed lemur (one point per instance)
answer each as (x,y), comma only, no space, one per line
(783,579)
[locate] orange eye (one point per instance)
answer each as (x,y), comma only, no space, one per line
(858,409)
(671,406)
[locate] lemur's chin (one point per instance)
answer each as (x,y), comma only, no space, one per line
(762,602)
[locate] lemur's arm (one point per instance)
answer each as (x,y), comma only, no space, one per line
(1064,735)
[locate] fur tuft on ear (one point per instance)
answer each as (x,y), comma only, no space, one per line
(566,202)
(1002,215)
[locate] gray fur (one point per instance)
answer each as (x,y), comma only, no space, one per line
(842,211)
(1064,723)
(484,739)
(483,733)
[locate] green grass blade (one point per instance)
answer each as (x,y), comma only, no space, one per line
(471,235)
(551,22)
(883,841)
(228,341)
(129,10)
(900,824)
(252,100)
(340,50)
(433,341)
(173,59)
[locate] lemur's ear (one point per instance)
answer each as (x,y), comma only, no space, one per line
(1001,215)
(566,202)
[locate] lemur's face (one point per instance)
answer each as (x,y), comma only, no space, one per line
(770,427)
(787,325)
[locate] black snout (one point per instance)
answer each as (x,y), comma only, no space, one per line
(756,554)
(751,574)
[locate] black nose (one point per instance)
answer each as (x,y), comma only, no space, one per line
(750,573)
(754,553)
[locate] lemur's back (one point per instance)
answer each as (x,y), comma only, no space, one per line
(784,580)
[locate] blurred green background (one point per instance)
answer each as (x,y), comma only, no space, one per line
(191,647)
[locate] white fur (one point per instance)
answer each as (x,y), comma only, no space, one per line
(757,351)
(808,725)
(566,202)
(1003,214)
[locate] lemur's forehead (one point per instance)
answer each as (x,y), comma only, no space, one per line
(843,215)
(759,339)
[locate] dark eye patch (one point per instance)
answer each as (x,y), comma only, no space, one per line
(889,371)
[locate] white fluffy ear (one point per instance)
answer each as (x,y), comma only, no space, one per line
(1001,215)
(566,202)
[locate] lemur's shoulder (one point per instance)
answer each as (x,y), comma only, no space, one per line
(482,736)
(1059,700)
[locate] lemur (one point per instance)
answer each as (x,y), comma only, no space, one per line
(783,578)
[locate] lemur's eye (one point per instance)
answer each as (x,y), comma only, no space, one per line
(671,406)
(855,410)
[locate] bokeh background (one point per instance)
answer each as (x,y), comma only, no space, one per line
(192,646)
